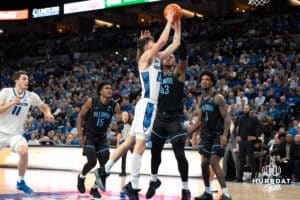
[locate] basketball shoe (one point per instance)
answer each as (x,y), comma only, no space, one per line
(21,185)
(101,176)
(133,194)
(152,188)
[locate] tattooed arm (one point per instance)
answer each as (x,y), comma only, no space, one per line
(220,101)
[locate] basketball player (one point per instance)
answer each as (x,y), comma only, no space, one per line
(14,107)
(169,121)
(96,114)
(215,123)
(149,58)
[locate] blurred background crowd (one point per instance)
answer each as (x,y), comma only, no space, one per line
(256,60)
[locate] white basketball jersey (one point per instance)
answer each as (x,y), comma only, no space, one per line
(12,120)
(150,80)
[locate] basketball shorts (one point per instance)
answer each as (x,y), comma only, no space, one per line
(145,112)
(210,145)
(172,128)
(13,141)
(98,144)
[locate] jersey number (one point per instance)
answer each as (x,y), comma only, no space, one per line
(164,89)
(100,122)
(16,110)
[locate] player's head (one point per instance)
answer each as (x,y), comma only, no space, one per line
(169,61)
(104,89)
(143,44)
(21,79)
(207,79)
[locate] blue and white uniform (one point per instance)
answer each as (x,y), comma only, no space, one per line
(12,120)
(145,110)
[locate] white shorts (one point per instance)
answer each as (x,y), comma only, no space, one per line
(14,141)
(145,112)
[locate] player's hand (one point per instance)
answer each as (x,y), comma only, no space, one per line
(80,139)
(15,101)
(223,141)
(144,34)
(170,15)
(49,117)
(194,142)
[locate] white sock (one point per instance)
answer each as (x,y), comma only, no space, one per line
(135,170)
(20,178)
(225,192)
(185,185)
(153,177)
(207,189)
(110,163)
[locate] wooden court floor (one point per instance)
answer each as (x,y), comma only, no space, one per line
(51,184)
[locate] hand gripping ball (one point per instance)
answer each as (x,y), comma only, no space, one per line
(178,11)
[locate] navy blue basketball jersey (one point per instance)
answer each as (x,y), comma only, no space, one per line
(99,118)
(171,95)
(211,115)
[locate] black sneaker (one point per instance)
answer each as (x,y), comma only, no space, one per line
(95,193)
(133,194)
(185,194)
(224,197)
(205,196)
(80,184)
(152,187)
(101,176)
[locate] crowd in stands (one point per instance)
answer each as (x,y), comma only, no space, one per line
(255,59)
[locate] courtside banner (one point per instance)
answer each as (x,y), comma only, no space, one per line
(117,3)
(45,12)
(14,14)
(71,158)
(83,6)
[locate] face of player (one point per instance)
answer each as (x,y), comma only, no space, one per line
(22,82)
(169,61)
(206,82)
(106,91)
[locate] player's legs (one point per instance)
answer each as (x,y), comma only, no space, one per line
(178,143)
(119,152)
(22,150)
(136,161)
(20,146)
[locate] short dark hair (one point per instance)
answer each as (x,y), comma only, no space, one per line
(211,75)
(101,85)
(17,74)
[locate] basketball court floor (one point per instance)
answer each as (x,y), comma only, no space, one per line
(53,184)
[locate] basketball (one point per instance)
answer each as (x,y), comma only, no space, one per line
(178,11)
